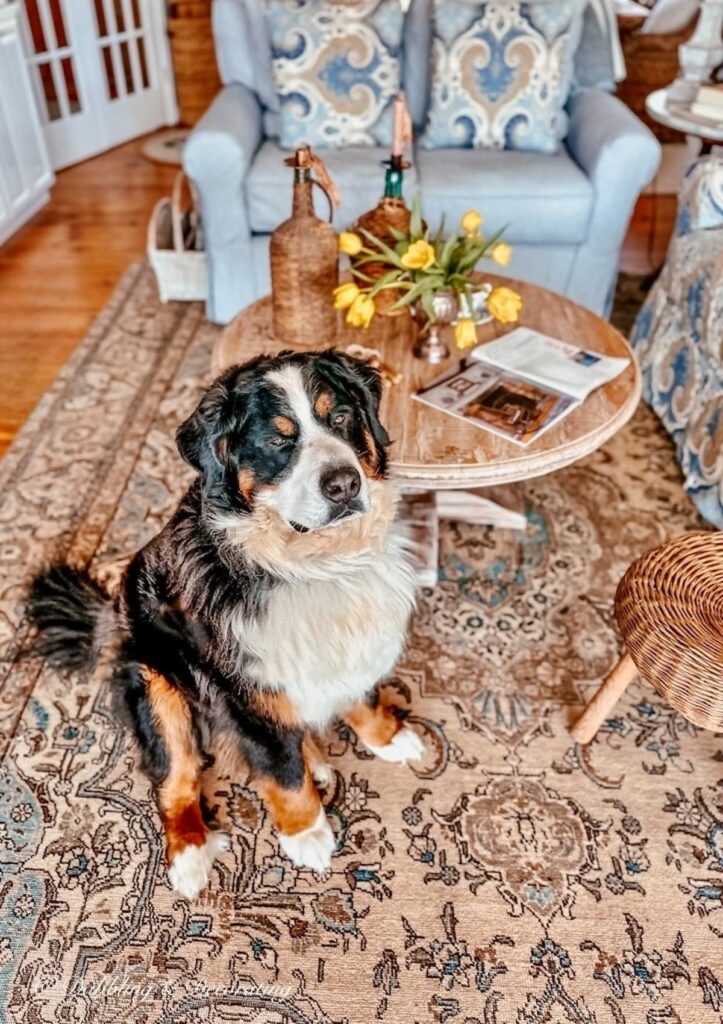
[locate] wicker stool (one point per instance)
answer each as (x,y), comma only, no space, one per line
(669,607)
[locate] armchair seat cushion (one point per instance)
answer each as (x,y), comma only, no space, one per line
(538,195)
(356,171)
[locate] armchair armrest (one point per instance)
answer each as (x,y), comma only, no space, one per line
(217,157)
(618,154)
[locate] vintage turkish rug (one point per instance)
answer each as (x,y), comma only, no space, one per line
(509,878)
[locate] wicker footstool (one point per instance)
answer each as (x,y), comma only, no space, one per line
(669,608)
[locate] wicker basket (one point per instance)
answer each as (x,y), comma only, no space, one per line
(652,63)
(175,247)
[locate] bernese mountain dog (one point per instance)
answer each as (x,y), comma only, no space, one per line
(274,601)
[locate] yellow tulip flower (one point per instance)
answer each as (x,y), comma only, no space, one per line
(345,295)
(465,333)
(350,243)
(504,305)
(419,256)
(501,253)
(471,223)
(361,311)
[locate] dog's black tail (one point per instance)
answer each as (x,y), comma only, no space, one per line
(73,616)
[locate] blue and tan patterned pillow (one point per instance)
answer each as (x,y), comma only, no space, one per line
(336,69)
(501,74)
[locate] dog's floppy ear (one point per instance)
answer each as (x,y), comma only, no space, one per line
(366,381)
(202,439)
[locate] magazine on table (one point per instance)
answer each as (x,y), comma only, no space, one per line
(522,384)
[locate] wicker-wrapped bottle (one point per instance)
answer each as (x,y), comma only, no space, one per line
(305,261)
(391,212)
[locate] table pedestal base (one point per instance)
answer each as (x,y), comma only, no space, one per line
(501,507)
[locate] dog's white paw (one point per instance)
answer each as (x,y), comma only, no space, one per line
(323,775)
(311,848)
(190,869)
(406,745)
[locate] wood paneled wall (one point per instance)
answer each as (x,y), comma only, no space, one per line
(194,59)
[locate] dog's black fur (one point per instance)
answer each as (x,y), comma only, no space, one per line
(178,591)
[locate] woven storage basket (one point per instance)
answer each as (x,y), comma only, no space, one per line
(652,63)
(669,607)
(174,246)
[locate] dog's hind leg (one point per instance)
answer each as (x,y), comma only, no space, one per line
(191,847)
(383,733)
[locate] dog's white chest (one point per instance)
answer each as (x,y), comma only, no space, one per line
(326,642)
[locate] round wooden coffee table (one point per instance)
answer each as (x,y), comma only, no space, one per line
(434,451)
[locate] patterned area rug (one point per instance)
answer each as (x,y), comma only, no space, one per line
(510,878)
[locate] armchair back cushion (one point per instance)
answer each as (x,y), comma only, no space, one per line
(337,69)
(243,48)
(501,74)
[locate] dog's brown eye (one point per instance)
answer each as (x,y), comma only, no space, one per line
(278,441)
(340,419)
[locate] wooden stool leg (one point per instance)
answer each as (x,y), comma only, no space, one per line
(604,700)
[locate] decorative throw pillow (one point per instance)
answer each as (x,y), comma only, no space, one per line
(336,70)
(501,73)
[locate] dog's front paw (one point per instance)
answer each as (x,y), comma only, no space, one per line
(311,848)
(405,745)
(190,869)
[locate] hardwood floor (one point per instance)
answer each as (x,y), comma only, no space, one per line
(59,270)
(649,234)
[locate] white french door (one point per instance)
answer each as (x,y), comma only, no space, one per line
(101,70)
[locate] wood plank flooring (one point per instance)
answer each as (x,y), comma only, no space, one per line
(59,270)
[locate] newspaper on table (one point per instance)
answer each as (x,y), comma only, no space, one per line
(520,385)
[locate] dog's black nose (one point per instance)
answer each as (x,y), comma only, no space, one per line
(340,484)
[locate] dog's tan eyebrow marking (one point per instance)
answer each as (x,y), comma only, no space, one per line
(246,480)
(322,405)
(284,426)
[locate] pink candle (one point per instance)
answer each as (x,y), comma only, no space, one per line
(402,126)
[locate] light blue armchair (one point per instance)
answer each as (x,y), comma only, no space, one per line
(567,214)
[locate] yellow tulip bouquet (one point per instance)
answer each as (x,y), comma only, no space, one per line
(420,267)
